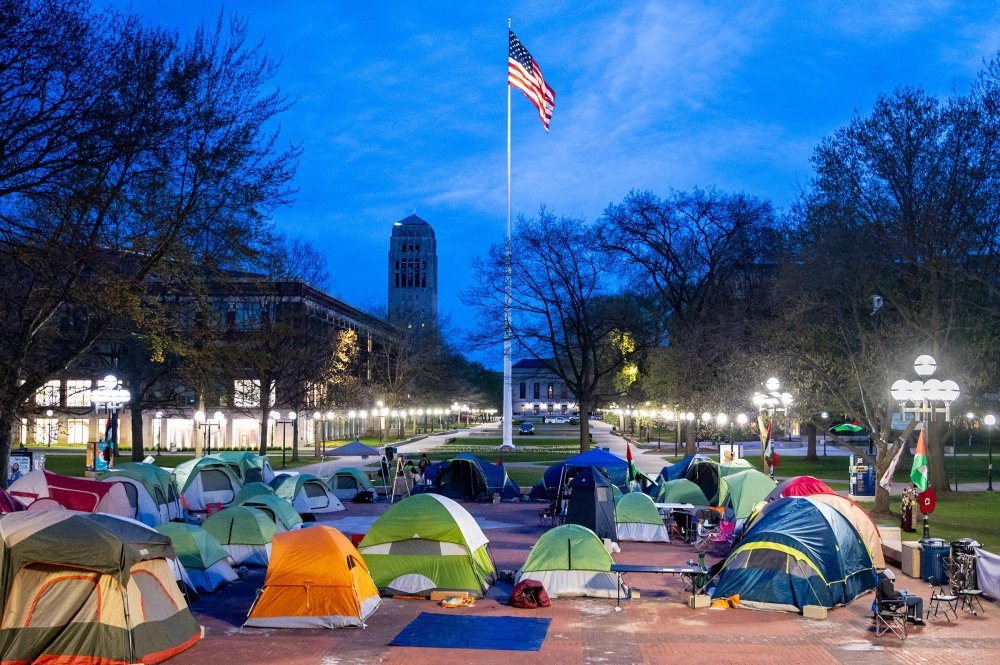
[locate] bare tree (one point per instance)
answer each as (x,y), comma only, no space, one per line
(124,154)
(563,311)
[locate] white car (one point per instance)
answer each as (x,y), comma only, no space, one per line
(559,420)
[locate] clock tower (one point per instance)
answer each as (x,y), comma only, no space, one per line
(412,273)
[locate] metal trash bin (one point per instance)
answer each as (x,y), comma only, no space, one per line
(933,553)
(963,546)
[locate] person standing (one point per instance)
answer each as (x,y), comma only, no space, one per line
(907,501)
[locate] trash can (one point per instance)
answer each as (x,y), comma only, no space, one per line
(963,546)
(933,553)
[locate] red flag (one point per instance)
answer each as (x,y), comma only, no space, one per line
(628,457)
(500,459)
(524,74)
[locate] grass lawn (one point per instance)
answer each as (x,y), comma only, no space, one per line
(524,477)
(957,515)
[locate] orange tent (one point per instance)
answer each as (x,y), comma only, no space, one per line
(315,579)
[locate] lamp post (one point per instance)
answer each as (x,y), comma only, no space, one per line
(771,402)
(990,420)
(824,416)
(284,422)
(111,396)
(157,426)
(923,394)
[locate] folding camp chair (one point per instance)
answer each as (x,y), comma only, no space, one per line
(707,528)
(890,616)
(720,543)
(939,597)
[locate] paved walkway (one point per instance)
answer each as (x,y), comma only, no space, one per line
(656,628)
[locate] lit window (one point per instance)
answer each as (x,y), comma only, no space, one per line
(48,394)
(78,394)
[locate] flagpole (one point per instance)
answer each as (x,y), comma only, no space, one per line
(508,410)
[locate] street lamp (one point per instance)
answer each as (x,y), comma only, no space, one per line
(989,420)
(924,394)
(284,422)
(112,397)
(771,402)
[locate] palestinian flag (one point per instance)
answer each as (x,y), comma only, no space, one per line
(918,473)
(628,458)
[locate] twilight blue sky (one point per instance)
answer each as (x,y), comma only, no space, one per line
(401,106)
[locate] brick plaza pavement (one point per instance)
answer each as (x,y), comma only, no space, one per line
(657,628)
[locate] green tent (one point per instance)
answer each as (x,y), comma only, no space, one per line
(637,519)
(427,542)
(348,482)
(244,532)
(681,490)
(249,467)
(204,559)
(155,499)
(278,509)
(205,481)
(307,493)
(736,466)
(251,490)
(570,560)
(744,490)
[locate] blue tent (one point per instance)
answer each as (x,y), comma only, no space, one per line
(677,469)
(801,552)
(466,477)
(612,465)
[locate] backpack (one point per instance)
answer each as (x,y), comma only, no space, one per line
(529,595)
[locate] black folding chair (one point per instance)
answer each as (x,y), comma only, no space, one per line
(939,598)
(968,599)
(890,616)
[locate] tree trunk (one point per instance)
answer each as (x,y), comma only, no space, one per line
(691,442)
(811,441)
(7,421)
(295,440)
(584,404)
(265,409)
(135,423)
(934,437)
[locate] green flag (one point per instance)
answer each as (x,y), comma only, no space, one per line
(918,472)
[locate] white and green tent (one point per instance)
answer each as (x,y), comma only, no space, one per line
(636,518)
(348,482)
(570,560)
(244,532)
(207,564)
(427,542)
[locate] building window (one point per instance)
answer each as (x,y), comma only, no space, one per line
(47,430)
(48,394)
(562,391)
(78,394)
(246,394)
(549,391)
(77,430)
(536,392)
(536,409)
(522,390)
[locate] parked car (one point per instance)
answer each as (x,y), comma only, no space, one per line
(526,428)
(558,420)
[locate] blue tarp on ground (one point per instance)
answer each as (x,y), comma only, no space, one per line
(452,631)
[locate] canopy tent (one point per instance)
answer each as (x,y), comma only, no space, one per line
(681,490)
(89,496)
(251,490)
(308,494)
(244,532)
(798,552)
(744,490)
(205,481)
(279,510)
(353,449)
(207,563)
(615,468)
(153,498)
(88,588)
(799,486)
(636,518)
(348,482)
(570,560)
(249,468)
(466,477)
(9,504)
(316,579)
(427,542)
(592,503)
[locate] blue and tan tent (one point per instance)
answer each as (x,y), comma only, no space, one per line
(798,552)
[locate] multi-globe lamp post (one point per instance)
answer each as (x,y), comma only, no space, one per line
(112,397)
(217,421)
(284,422)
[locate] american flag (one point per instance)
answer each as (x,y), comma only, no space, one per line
(524,74)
